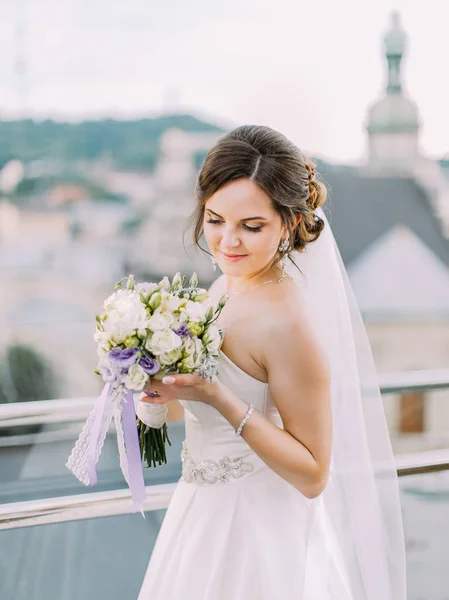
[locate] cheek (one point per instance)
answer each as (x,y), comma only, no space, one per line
(211,234)
(262,243)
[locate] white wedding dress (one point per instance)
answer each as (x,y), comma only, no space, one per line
(245,534)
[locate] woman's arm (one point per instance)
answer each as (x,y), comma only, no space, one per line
(175,411)
(299,383)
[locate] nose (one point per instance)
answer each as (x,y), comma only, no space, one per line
(229,240)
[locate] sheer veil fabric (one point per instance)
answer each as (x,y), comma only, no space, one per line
(361,499)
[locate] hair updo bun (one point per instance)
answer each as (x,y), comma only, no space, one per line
(311,225)
(273,162)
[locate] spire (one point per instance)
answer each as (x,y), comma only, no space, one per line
(395,40)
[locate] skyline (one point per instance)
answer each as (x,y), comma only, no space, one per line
(124,61)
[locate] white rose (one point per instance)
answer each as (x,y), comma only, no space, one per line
(136,378)
(195,311)
(169,358)
(212,339)
(163,341)
(124,314)
(160,321)
(192,356)
(173,303)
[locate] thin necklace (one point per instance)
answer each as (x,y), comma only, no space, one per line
(254,286)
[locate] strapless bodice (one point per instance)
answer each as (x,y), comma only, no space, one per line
(208,434)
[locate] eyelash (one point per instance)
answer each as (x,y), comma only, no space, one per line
(253,229)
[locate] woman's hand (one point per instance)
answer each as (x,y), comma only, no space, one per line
(187,387)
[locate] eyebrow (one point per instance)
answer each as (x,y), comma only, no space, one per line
(247,219)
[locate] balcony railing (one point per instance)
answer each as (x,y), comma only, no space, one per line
(118,502)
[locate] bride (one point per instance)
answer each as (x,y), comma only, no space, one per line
(288,487)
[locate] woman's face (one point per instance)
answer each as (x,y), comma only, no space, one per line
(242,229)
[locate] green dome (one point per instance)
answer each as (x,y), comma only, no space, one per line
(393,114)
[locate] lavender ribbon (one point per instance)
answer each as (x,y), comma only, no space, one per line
(94,433)
(135,472)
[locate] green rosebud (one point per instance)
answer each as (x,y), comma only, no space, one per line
(131,283)
(201,295)
(177,282)
(132,341)
(155,300)
(209,314)
(164,283)
(195,328)
(193,283)
(222,302)
(118,285)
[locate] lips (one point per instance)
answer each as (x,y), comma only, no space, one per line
(233,257)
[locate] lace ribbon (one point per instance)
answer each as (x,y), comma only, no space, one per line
(86,452)
(153,415)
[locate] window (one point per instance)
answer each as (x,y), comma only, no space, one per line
(411,412)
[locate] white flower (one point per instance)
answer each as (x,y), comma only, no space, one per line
(125,314)
(163,341)
(212,339)
(192,355)
(174,303)
(160,321)
(102,338)
(136,378)
(195,311)
(169,358)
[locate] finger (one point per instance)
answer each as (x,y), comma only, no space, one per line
(181,380)
(156,400)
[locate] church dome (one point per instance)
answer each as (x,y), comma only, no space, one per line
(393,114)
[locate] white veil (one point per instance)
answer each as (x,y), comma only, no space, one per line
(362,497)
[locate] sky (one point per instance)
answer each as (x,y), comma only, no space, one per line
(309,69)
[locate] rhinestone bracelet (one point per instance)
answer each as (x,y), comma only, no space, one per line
(245,418)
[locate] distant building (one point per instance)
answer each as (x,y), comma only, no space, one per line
(391,221)
(159,247)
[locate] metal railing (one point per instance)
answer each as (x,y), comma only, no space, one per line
(118,502)
(77,409)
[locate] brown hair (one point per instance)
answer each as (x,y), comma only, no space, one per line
(273,162)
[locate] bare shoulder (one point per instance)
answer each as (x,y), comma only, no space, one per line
(288,336)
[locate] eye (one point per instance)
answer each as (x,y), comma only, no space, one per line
(254,229)
(213,221)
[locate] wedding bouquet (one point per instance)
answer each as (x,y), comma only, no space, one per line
(147,330)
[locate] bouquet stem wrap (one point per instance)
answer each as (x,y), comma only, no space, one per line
(86,452)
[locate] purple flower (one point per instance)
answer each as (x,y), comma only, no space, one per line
(149,365)
(183,331)
(110,374)
(123,358)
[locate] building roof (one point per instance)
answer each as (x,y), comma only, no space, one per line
(399,277)
(363,208)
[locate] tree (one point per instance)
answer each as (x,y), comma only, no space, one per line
(26,375)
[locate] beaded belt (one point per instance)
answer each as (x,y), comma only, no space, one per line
(212,471)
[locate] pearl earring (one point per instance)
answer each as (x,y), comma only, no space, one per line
(214,263)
